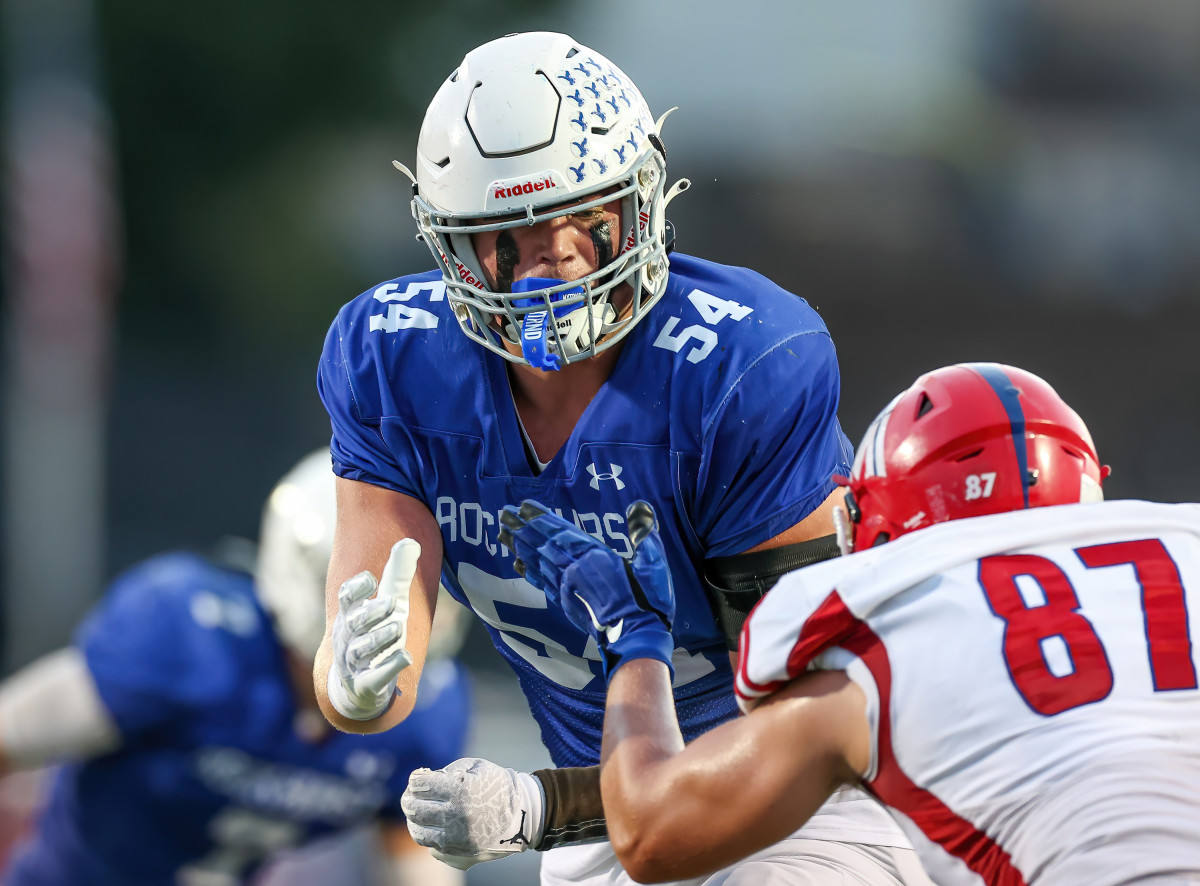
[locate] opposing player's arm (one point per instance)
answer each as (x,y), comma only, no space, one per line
(676,812)
(370,521)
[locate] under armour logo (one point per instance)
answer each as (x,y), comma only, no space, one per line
(614,474)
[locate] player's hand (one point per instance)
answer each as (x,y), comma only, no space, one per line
(627,605)
(369,635)
(473,811)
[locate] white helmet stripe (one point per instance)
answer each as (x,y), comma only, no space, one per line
(870,460)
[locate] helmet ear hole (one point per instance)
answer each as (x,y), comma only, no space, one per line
(881,538)
(925,405)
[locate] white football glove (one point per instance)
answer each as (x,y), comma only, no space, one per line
(369,636)
(473,811)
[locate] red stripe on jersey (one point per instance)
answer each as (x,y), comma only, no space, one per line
(833,624)
(756,690)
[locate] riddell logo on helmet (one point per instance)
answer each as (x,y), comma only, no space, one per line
(464,273)
(467,277)
(643,220)
(546,182)
(500,190)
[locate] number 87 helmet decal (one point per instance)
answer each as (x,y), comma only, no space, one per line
(528,128)
(964,441)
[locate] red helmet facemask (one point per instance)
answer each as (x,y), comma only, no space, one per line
(964,441)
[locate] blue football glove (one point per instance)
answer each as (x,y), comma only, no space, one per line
(627,605)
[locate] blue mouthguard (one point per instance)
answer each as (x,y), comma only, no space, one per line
(535,326)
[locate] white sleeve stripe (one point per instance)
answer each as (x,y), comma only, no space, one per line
(744,688)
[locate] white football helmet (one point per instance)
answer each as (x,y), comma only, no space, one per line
(525,127)
(294,546)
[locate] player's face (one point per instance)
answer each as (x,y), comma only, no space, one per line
(566,248)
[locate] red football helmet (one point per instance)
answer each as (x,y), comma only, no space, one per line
(968,440)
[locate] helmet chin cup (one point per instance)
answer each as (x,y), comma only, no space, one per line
(539,336)
(558,322)
(528,128)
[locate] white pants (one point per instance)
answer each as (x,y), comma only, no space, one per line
(792,861)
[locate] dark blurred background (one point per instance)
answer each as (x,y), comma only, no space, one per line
(192,190)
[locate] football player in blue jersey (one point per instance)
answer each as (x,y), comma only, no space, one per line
(561,351)
(184,717)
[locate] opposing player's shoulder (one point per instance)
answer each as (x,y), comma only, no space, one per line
(822,606)
(800,617)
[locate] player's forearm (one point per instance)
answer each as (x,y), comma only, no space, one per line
(641,740)
(675,812)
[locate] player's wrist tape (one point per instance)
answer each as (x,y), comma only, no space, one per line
(573,812)
(352,710)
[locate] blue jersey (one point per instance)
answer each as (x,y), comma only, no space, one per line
(214,773)
(721,411)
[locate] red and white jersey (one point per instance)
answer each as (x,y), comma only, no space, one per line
(1032,687)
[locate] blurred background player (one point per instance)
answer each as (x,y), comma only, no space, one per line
(589,369)
(194,751)
(1005,660)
